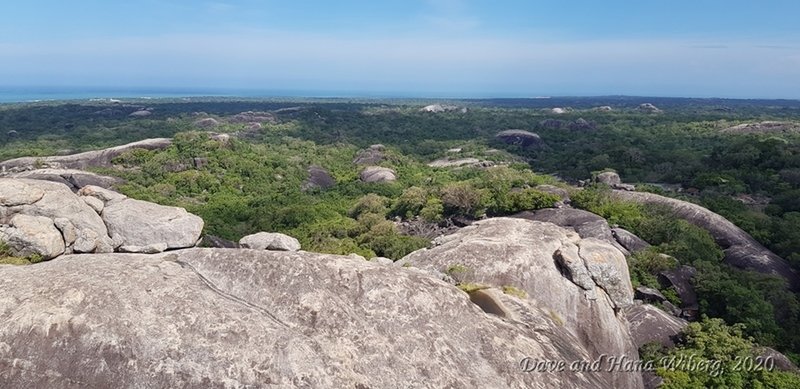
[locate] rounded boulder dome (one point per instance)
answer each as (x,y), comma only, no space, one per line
(520,137)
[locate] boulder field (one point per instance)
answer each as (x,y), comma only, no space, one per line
(46,218)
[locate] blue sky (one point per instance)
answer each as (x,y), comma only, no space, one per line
(457,48)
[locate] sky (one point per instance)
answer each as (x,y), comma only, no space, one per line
(425,48)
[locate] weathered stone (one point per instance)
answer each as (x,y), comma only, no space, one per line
(250,319)
(95,203)
(68,230)
(15,192)
(377,174)
(217,242)
(650,324)
(58,202)
(741,249)
(781,361)
(648,108)
(149,249)
(318,178)
(628,240)
(32,235)
(521,253)
(270,241)
(206,123)
(101,194)
(382,261)
(649,295)
(609,270)
(521,138)
(74,179)
(140,223)
(585,223)
(371,155)
(680,280)
(81,161)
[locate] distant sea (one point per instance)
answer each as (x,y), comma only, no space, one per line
(38,93)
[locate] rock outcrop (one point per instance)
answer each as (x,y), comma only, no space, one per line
(215,318)
(741,249)
(648,108)
(270,241)
(585,223)
(612,179)
(206,123)
(439,108)
(98,158)
(680,280)
(95,220)
(766,127)
(251,117)
(525,139)
(629,240)
(472,162)
(375,174)
(370,156)
(580,283)
(649,324)
(318,178)
(74,179)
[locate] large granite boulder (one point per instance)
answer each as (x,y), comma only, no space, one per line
(270,241)
(32,235)
(649,324)
(531,256)
(681,280)
(97,158)
(82,228)
(613,180)
(136,223)
(585,223)
(522,138)
(74,179)
(318,178)
(214,318)
(741,249)
(371,155)
(373,174)
(629,240)
(126,224)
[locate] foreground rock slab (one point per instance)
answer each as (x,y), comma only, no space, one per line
(216,318)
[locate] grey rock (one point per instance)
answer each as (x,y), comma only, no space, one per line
(149,249)
(585,223)
(81,161)
(95,203)
(58,202)
(781,361)
(217,242)
(270,241)
(140,113)
(318,178)
(371,155)
(206,123)
(16,192)
(141,223)
(741,249)
(680,280)
(251,117)
(382,261)
(562,193)
(32,235)
(74,179)
(377,174)
(250,319)
(67,229)
(630,241)
(649,295)
(521,253)
(650,324)
(104,195)
(609,270)
(765,127)
(521,138)
(648,108)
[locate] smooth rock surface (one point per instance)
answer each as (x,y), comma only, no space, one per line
(629,240)
(585,223)
(140,223)
(32,235)
(270,241)
(741,249)
(521,138)
(81,161)
(375,174)
(74,179)
(520,253)
(214,318)
(650,324)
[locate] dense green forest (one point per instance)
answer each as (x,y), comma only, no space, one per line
(256,181)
